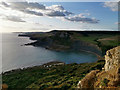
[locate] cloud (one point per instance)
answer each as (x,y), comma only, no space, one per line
(30,8)
(14,19)
(25,7)
(55,7)
(54,10)
(34,8)
(112,5)
(54,13)
(4,4)
(82,19)
(27,11)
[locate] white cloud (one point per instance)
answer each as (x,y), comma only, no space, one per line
(34,8)
(14,19)
(82,19)
(112,5)
(4,4)
(57,10)
(55,7)
(25,7)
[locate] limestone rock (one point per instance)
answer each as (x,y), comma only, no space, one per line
(108,78)
(88,80)
(112,58)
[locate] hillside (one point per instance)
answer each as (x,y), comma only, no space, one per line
(50,76)
(93,41)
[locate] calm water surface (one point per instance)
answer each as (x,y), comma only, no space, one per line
(16,56)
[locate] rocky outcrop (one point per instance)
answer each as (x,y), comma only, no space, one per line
(109,77)
(112,58)
(88,81)
(4,86)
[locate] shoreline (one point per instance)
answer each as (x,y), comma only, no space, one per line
(22,68)
(45,65)
(31,44)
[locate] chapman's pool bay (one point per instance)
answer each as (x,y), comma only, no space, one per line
(15,55)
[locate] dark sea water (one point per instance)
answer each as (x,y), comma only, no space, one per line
(16,56)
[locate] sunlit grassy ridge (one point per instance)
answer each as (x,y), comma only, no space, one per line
(63,76)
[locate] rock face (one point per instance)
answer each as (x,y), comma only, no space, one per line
(112,58)
(85,46)
(109,77)
(90,78)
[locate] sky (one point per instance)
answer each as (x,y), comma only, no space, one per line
(38,16)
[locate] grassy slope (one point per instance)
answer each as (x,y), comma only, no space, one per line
(65,76)
(112,40)
(91,37)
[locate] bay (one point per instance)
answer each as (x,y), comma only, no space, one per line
(15,55)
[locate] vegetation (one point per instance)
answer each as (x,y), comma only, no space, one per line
(62,76)
(104,82)
(105,41)
(61,39)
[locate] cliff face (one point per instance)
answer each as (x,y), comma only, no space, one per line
(109,77)
(112,58)
(81,45)
(61,41)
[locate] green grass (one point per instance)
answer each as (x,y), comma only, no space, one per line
(91,38)
(66,76)
(103,44)
(104,40)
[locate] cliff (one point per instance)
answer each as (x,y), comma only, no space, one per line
(97,42)
(109,77)
(112,59)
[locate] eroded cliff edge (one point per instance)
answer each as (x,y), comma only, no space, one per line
(109,77)
(90,41)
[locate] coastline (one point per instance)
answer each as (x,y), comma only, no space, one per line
(33,44)
(56,75)
(45,65)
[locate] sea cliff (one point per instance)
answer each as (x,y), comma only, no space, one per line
(90,41)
